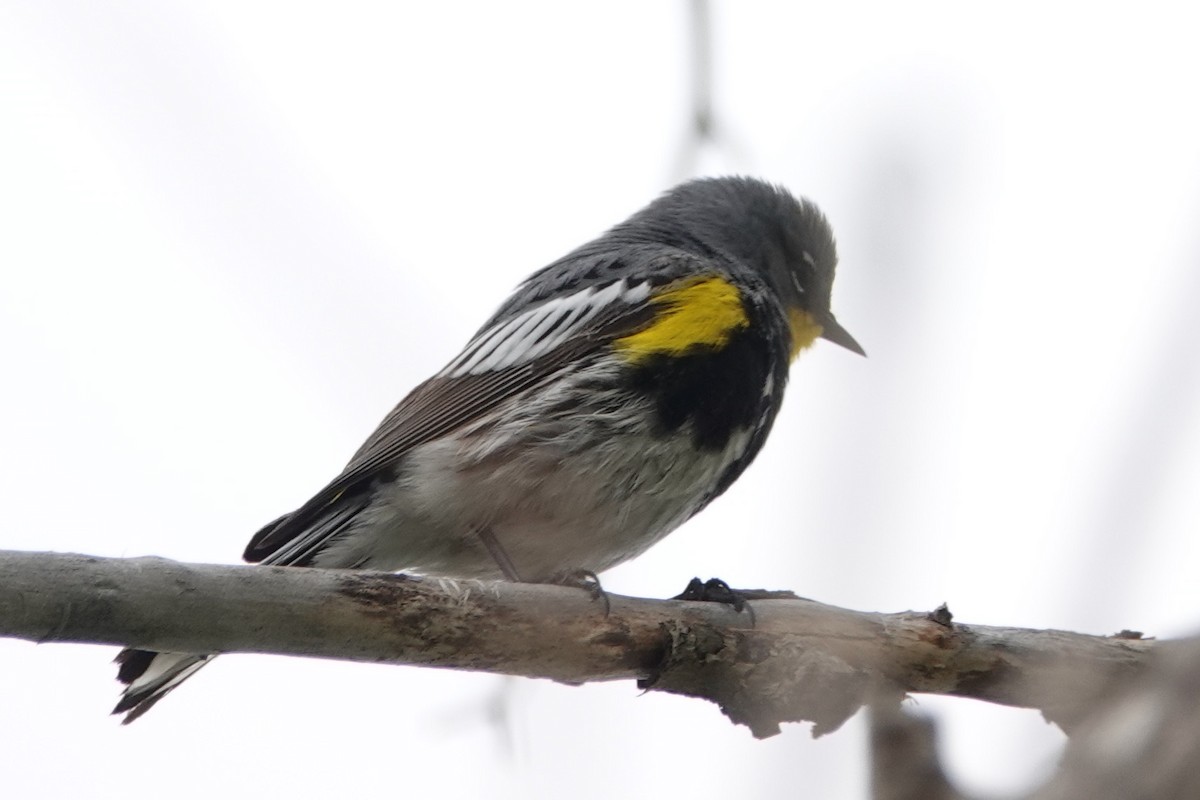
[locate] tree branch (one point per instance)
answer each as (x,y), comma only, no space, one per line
(904,758)
(792,660)
(1141,740)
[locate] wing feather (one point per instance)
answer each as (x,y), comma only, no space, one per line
(501,362)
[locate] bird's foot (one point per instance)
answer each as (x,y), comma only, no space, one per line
(715,590)
(583,579)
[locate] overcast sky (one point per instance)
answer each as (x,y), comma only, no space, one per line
(233,235)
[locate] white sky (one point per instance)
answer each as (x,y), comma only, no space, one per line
(232,235)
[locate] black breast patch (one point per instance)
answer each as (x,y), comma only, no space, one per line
(717,390)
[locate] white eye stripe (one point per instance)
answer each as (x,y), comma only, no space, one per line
(808,259)
(539,330)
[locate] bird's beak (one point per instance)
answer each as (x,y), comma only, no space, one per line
(832,331)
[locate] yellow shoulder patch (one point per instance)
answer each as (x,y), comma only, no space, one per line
(805,331)
(697,312)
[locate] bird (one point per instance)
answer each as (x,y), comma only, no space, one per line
(614,395)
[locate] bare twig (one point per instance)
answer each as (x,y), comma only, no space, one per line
(904,758)
(1144,740)
(1141,740)
(799,660)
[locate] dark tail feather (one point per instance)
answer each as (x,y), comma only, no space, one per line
(149,676)
(292,540)
(255,550)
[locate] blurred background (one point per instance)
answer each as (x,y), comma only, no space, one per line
(234,234)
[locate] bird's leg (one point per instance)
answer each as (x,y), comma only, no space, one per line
(498,555)
(577,578)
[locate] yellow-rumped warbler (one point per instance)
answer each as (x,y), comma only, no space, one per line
(616,393)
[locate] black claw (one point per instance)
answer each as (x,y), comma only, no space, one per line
(714,590)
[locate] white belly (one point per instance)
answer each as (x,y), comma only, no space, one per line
(558,495)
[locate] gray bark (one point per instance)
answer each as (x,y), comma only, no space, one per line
(789,661)
(1141,741)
